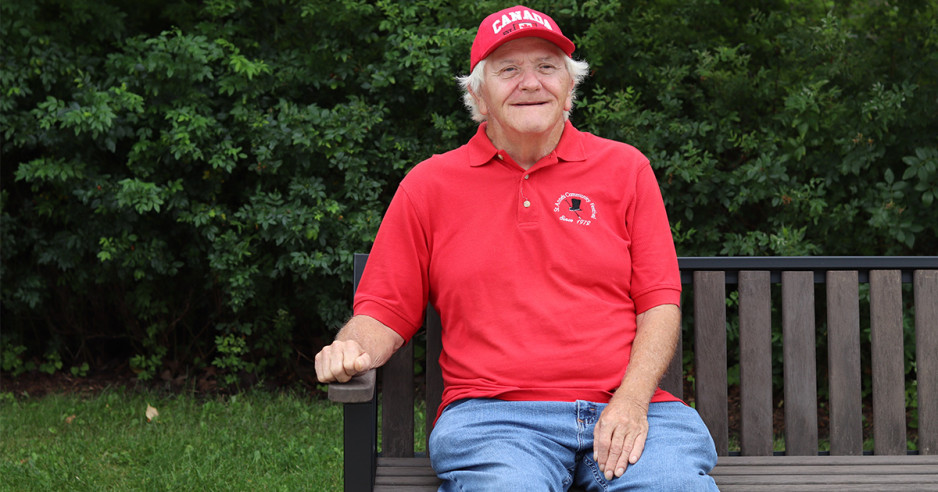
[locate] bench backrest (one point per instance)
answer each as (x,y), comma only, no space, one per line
(798,293)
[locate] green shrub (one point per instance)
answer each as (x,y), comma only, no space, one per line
(177,176)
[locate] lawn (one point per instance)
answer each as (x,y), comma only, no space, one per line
(256,440)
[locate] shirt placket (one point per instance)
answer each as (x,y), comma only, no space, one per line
(527,206)
(528,201)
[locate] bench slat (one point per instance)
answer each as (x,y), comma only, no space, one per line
(800,386)
(889,435)
(925,285)
(828,460)
(843,354)
(418,462)
(755,363)
(415,477)
(434,379)
(398,403)
(673,379)
(827,474)
(400,476)
(406,487)
(817,479)
(710,355)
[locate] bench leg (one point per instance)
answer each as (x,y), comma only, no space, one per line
(360,421)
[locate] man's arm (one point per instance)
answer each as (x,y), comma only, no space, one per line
(619,436)
(364,343)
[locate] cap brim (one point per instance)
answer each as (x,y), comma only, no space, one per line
(559,40)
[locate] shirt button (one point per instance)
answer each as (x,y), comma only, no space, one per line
(527,203)
(527,176)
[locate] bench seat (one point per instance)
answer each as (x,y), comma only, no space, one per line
(794,473)
(742,473)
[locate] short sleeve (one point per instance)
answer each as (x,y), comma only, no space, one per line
(395,285)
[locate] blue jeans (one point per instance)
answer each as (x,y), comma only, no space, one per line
(484,444)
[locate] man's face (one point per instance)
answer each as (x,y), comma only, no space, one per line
(526,88)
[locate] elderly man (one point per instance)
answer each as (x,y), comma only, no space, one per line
(548,254)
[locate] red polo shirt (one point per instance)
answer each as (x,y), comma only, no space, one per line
(537,275)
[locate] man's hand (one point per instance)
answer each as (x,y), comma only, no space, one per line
(341,361)
(619,436)
(364,343)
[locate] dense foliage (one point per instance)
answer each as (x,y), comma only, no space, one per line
(184,183)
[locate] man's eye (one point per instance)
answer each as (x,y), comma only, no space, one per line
(508,71)
(546,68)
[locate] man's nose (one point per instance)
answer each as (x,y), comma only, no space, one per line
(529,80)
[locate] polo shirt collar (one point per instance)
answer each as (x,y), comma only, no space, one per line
(570,148)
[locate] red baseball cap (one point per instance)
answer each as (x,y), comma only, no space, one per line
(513,23)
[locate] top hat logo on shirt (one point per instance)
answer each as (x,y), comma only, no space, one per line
(575,208)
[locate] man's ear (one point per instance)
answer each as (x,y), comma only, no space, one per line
(480,103)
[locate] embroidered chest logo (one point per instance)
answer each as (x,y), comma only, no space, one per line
(575,208)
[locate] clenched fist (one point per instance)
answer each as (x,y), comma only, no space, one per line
(340,361)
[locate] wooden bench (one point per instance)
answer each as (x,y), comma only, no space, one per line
(799,294)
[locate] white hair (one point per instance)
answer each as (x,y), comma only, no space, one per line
(472,83)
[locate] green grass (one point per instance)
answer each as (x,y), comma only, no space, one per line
(252,441)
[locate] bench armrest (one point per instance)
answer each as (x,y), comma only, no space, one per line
(359,389)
